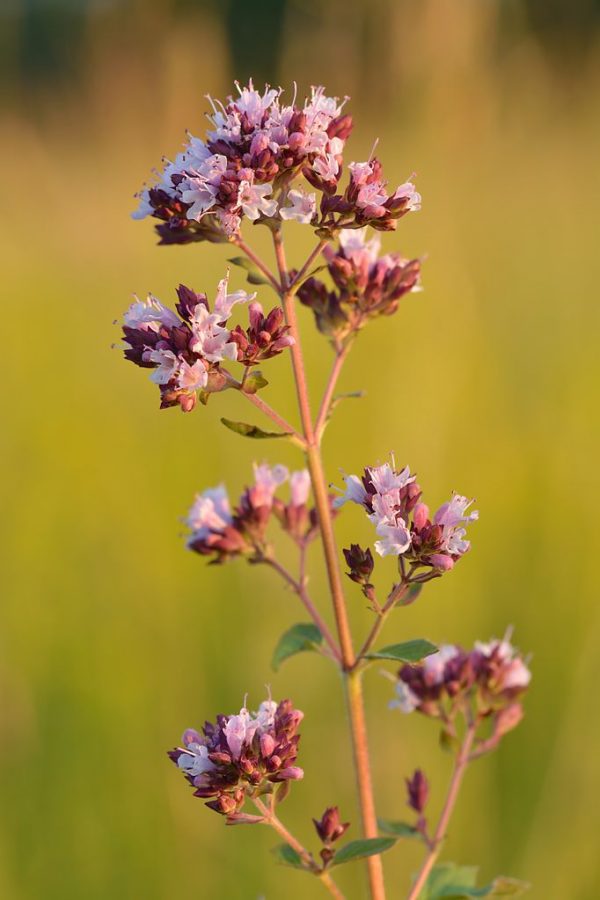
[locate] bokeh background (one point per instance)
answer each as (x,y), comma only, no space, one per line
(113,638)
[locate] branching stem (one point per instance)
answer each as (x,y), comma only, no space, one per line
(270,818)
(324,410)
(395,596)
(299,587)
(239,242)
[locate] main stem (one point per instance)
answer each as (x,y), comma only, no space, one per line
(462,761)
(352,677)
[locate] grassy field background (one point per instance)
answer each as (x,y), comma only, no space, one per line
(113,638)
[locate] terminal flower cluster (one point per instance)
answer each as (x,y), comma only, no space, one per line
(403,524)
(367,285)
(186,349)
(256,145)
(223,533)
(240,755)
(245,167)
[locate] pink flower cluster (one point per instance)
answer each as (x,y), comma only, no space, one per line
(219,532)
(186,349)
(245,168)
(366,200)
(241,755)
(482,683)
(367,284)
(402,522)
(256,144)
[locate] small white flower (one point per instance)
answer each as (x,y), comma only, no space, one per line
(396,539)
(266,482)
(210,339)
(192,378)
(195,760)
(149,315)
(300,487)
(406,699)
(355,492)
(225,302)
(303,208)
(409,192)
(357,248)
(167,362)
(434,665)
(239,731)
(253,200)
(383,478)
(327,167)
(210,511)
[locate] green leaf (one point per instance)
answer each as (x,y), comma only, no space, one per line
(411,595)
(452,882)
(399,829)
(361,849)
(254,275)
(408,652)
(287,856)
(254,382)
(449,742)
(300,637)
(448,880)
(506,887)
(352,395)
(252,431)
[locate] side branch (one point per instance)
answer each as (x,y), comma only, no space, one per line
(277,825)
(243,246)
(295,283)
(325,407)
(462,761)
(299,587)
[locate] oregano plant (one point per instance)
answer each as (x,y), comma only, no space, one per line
(267,162)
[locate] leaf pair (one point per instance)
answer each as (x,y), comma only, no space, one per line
(304,636)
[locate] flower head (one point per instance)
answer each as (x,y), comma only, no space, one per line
(482,684)
(391,500)
(184,349)
(255,145)
(241,755)
(367,285)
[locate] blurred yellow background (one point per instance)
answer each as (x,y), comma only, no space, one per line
(113,637)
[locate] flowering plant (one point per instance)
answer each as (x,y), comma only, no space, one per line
(269,163)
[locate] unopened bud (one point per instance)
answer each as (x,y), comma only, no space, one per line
(330,826)
(417,789)
(360,562)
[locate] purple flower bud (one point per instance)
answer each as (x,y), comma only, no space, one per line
(417,789)
(330,826)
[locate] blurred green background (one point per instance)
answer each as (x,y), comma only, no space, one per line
(113,638)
